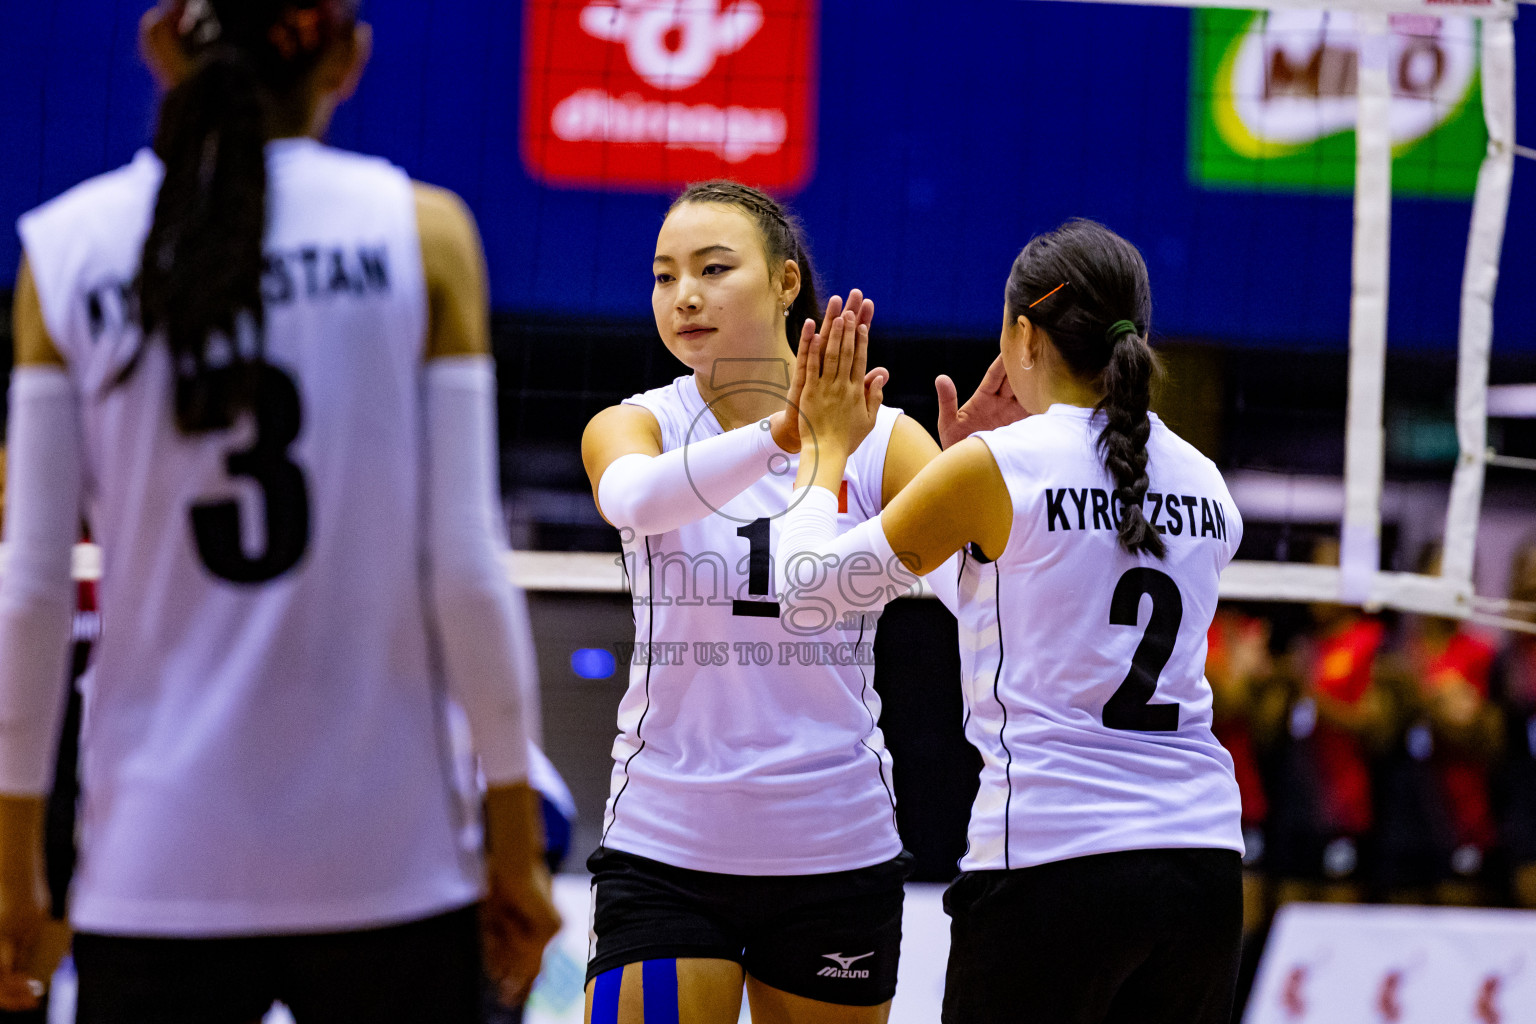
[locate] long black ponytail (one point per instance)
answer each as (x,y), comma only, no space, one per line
(1087,288)
(199,281)
(783,239)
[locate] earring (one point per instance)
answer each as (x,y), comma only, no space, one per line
(785,307)
(1031,366)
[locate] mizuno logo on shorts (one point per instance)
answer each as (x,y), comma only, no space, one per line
(844,963)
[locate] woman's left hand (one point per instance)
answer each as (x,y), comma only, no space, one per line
(840,399)
(992,406)
(786,422)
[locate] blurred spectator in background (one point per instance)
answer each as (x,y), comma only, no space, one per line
(1514,688)
(1414,837)
(1247,708)
(1437,824)
(1436,840)
(1319,771)
(1238,665)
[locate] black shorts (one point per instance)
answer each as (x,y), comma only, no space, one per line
(833,937)
(424,972)
(1139,937)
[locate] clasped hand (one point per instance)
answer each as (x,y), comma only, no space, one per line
(838,398)
(788,423)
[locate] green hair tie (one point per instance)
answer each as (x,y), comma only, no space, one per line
(1118,330)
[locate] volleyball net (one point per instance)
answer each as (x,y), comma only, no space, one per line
(1411,63)
(1364,97)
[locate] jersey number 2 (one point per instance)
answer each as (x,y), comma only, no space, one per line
(216,524)
(1131,707)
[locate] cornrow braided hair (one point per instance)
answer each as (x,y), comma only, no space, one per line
(783,239)
(199,282)
(1075,283)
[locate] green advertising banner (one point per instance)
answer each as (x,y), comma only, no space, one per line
(1272,102)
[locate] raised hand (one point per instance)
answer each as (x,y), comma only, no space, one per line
(992,406)
(786,424)
(840,398)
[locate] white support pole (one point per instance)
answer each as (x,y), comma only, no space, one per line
(1485,242)
(1364,436)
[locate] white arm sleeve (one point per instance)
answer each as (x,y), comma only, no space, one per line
(653,494)
(37,596)
(486,640)
(820,572)
(945,583)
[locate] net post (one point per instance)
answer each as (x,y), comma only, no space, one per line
(1490,206)
(1360,536)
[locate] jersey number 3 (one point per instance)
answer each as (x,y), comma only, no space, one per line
(1131,707)
(216,524)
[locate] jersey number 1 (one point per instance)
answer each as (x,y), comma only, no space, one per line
(758,560)
(1131,707)
(216,524)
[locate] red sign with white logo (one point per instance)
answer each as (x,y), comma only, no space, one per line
(652,94)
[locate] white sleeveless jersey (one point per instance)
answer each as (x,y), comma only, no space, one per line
(264,747)
(1084,666)
(748,742)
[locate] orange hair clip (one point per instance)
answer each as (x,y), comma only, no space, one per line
(1047,295)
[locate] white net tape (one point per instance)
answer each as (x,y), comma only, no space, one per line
(593,573)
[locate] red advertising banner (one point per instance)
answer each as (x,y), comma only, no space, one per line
(644,95)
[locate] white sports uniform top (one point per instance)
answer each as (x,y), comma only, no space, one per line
(1044,692)
(268,755)
(747,743)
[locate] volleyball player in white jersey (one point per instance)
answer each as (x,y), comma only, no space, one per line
(750,831)
(1102,880)
(261,365)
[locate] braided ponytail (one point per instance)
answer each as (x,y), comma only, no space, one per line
(199,282)
(1078,283)
(201,272)
(1127,380)
(783,239)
